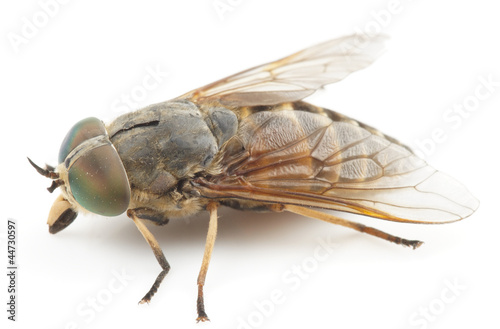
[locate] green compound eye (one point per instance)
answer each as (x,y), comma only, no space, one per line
(96,176)
(99,183)
(80,132)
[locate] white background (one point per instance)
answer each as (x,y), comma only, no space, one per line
(88,53)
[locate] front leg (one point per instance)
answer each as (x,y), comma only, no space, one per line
(156,250)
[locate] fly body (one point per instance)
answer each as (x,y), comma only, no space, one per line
(162,147)
(249,142)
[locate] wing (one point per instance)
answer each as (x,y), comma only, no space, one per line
(294,77)
(306,159)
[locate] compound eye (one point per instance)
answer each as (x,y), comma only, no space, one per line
(80,132)
(99,182)
(96,176)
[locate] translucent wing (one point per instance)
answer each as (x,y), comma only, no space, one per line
(294,77)
(301,158)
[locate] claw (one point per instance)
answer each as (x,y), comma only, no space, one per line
(203,318)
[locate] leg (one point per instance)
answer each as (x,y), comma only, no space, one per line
(156,250)
(356,226)
(151,215)
(209,246)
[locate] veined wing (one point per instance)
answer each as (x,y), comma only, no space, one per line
(306,159)
(294,77)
